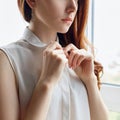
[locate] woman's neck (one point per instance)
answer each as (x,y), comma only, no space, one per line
(42,32)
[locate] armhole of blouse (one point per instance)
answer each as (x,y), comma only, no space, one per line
(12,66)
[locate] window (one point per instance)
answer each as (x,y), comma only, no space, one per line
(106,37)
(103,31)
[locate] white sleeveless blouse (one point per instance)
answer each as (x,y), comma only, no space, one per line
(69,99)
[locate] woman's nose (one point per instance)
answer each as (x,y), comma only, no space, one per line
(72,6)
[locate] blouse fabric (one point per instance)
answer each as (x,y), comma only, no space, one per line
(69,99)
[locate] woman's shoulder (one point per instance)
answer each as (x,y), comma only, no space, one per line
(3,57)
(15,48)
(14,44)
(12,52)
(5,64)
(4,60)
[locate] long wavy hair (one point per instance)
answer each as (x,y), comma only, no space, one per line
(76,33)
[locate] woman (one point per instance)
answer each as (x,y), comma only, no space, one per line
(49,74)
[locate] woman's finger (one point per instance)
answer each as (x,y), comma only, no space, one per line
(70,58)
(52,46)
(75,60)
(69,48)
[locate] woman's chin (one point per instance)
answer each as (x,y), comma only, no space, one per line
(64,30)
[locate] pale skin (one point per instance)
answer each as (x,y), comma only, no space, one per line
(79,60)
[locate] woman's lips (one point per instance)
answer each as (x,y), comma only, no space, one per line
(67,20)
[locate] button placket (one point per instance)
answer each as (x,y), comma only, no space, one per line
(66,97)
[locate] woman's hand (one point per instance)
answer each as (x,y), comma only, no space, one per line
(54,61)
(81,61)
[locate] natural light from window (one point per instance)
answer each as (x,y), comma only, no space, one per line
(107,37)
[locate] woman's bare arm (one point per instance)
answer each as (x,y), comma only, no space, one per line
(83,64)
(9,105)
(39,103)
(55,60)
(98,109)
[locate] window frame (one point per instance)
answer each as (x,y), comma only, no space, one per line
(109,91)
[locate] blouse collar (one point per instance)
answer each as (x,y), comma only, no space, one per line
(32,39)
